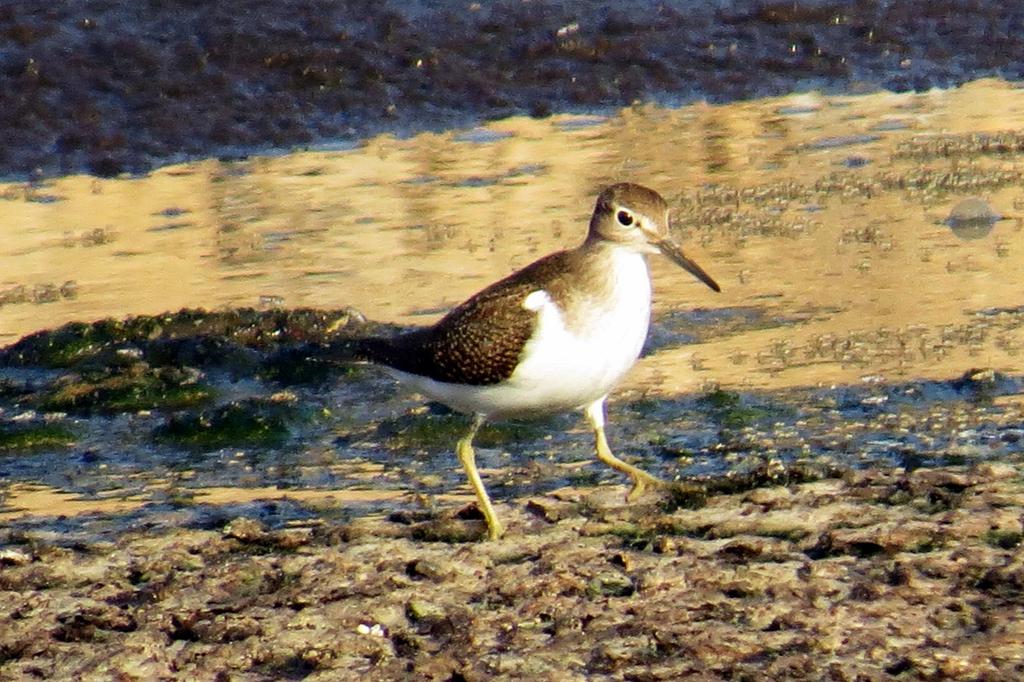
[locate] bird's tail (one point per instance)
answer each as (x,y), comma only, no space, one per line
(378,349)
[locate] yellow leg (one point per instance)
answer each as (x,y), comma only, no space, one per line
(640,478)
(468,458)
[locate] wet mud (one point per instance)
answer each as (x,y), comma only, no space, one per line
(874,575)
(849,533)
(110,88)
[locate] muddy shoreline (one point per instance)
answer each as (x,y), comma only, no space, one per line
(870,576)
(790,566)
(109,88)
(194,495)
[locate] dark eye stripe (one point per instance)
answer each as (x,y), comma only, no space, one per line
(625,218)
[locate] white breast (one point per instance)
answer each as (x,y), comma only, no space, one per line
(564,368)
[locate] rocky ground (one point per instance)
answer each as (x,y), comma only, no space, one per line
(112,87)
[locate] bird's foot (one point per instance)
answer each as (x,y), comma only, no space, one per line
(494,529)
(641,481)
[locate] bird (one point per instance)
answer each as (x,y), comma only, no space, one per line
(555,336)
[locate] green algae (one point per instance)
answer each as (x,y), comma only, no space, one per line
(74,342)
(442,431)
(34,436)
(1003,539)
(124,390)
(727,409)
(244,423)
(634,536)
(189,336)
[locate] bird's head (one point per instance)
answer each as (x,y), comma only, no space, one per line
(637,217)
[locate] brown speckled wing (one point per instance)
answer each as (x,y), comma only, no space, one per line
(481,341)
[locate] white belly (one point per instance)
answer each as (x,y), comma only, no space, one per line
(562,368)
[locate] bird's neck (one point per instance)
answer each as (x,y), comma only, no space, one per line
(601,253)
(603,278)
(597,266)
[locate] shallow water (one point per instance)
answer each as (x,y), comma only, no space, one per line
(823,218)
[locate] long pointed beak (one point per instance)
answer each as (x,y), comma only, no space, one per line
(672,250)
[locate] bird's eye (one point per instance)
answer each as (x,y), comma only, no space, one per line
(625,218)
